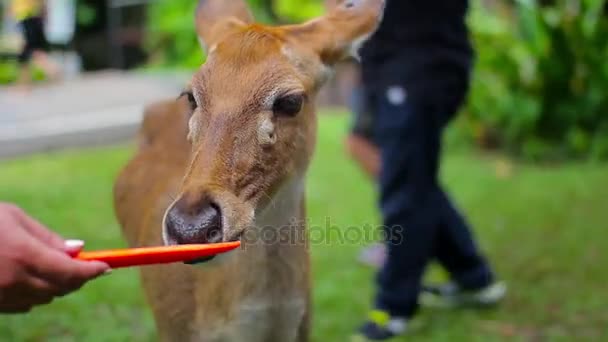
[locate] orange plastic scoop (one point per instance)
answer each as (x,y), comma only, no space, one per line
(117,258)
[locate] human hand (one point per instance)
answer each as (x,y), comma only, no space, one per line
(35,263)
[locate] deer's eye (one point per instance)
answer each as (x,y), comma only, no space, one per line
(191,99)
(288,105)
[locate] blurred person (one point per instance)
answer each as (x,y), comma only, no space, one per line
(416,71)
(35,263)
(360,141)
(29,15)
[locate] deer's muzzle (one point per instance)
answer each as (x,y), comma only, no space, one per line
(193,221)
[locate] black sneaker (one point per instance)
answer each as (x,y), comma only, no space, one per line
(450,295)
(381,327)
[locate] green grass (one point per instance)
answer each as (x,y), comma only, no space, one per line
(543,228)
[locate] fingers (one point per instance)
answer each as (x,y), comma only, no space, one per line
(61,270)
(36,291)
(36,264)
(15,308)
(31,291)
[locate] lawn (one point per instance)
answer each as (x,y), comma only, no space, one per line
(544,228)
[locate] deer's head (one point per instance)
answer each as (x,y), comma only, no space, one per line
(252,125)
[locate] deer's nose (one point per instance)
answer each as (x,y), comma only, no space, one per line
(189,223)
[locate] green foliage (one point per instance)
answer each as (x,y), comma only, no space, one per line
(298,10)
(541,82)
(85,14)
(9,72)
(172,38)
(173,41)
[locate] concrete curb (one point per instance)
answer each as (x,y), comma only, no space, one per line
(105,126)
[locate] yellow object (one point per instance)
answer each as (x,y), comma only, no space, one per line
(23,9)
(380,318)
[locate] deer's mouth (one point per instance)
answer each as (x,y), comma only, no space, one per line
(204,223)
(200,261)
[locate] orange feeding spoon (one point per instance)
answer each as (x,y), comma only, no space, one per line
(118,258)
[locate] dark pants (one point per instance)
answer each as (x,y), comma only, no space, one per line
(421,221)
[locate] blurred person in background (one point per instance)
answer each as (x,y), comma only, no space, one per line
(360,146)
(416,71)
(360,141)
(29,15)
(35,263)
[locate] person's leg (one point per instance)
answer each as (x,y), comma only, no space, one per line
(472,283)
(41,59)
(406,135)
(362,149)
(364,153)
(456,250)
(24,77)
(454,246)
(409,137)
(40,46)
(359,143)
(25,57)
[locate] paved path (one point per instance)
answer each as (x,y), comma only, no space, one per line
(94,109)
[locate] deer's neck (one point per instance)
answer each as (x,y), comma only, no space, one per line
(275,252)
(284,209)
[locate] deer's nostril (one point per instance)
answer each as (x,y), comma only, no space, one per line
(203,225)
(212,221)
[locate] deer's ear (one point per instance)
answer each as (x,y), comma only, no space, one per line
(216,18)
(342,31)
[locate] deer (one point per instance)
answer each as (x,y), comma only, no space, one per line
(226,161)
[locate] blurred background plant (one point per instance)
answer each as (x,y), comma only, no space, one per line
(171,37)
(540,86)
(9,72)
(172,40)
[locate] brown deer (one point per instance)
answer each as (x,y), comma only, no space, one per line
(226,161)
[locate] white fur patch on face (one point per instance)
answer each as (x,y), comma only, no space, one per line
(193,128)
(266,134)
